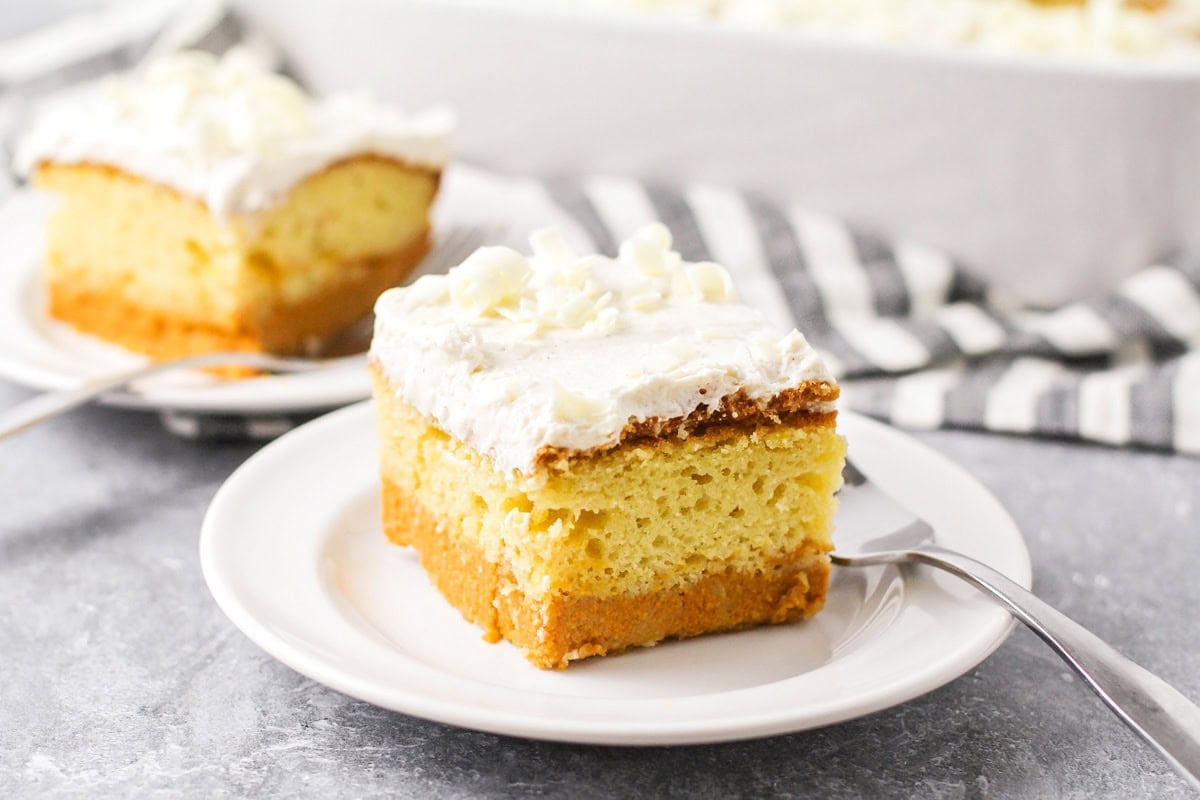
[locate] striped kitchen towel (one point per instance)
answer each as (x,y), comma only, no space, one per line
(916,339)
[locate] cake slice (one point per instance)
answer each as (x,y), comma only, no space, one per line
(209,205)
(594,454)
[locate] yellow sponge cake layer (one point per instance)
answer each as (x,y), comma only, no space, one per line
(598,552)
(143,265)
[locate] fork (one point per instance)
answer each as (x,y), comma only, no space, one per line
(1158,713)
(348,346)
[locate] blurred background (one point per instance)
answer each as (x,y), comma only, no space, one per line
(1049,146)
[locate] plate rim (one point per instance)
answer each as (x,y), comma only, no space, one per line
(643,732)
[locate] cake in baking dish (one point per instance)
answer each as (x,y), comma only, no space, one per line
(594,454)
(1077,29)
(209,205)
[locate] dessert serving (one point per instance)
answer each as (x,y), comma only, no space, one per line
(209,205)
(594,454)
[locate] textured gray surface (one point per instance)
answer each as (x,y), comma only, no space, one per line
(121,677)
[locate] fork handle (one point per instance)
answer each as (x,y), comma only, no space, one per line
(52,404)
(1152,708)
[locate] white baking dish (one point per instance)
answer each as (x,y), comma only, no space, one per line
(1052,178)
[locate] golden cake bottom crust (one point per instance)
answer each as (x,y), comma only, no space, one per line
(557,629)
(282,329)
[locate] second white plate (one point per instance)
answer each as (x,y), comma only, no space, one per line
(293,552)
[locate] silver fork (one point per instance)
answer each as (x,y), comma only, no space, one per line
(1158,713)
(348,346)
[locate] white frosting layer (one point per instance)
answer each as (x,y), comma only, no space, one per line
(512,353)
(1094,29)
(224,131)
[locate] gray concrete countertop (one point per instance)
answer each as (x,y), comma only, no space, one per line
(122,678)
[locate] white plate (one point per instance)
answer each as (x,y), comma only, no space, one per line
(293,551)
(43,353)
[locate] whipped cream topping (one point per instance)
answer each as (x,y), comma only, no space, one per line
(225,131)
(1154,29)
(513,353)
